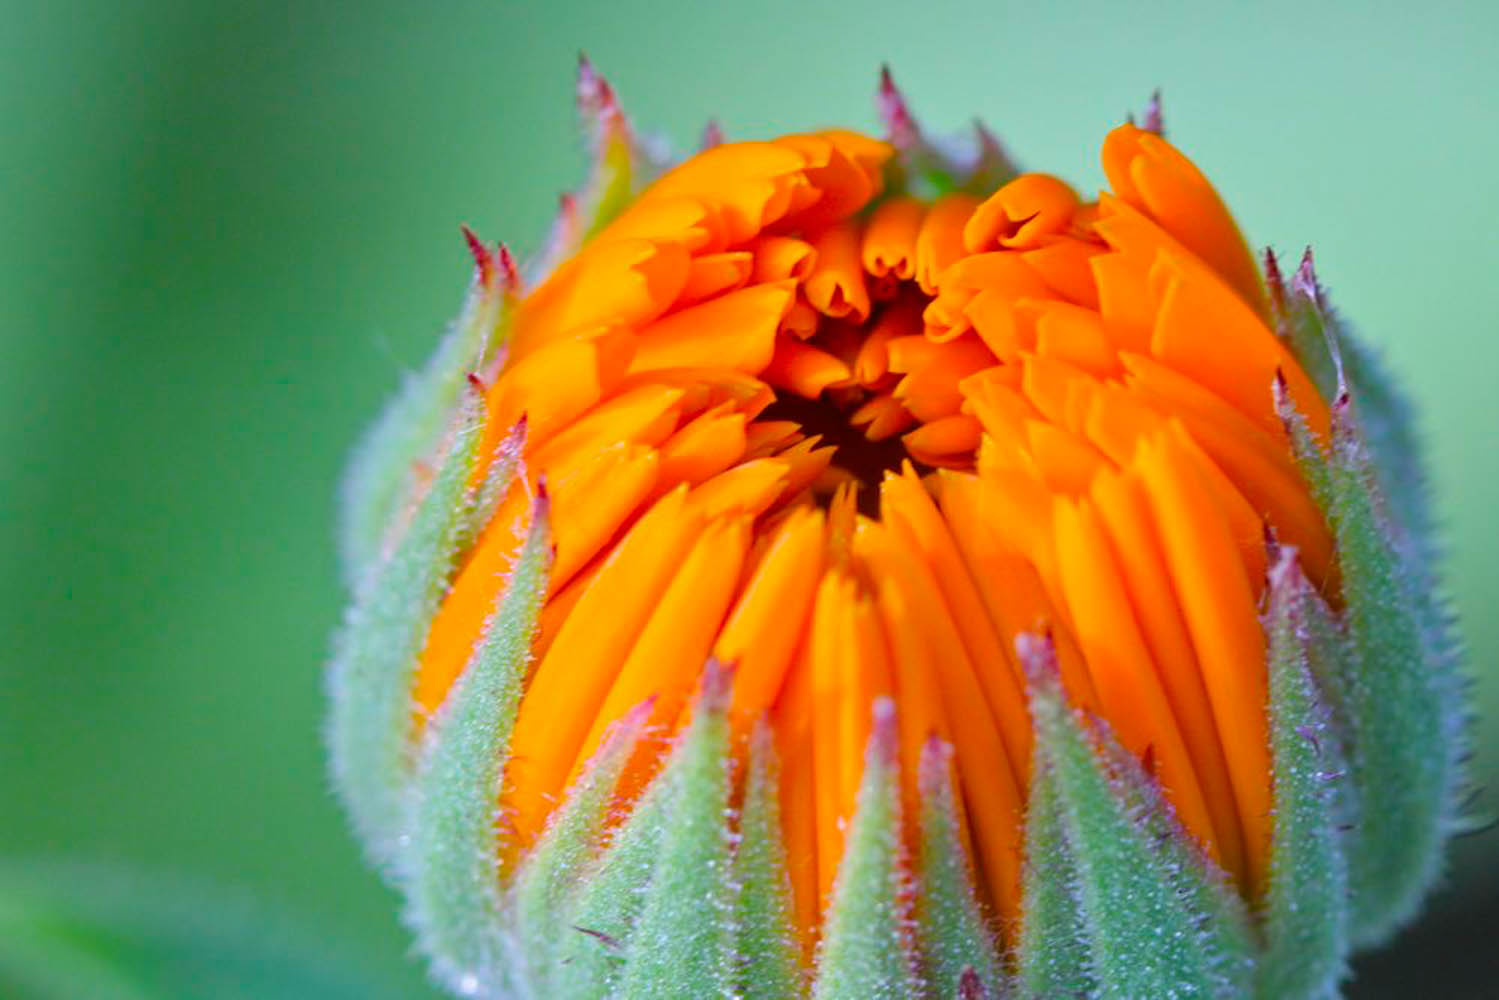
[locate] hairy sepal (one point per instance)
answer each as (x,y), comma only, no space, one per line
(372,674)
(928,167)
(384,476)
(1053,956)
(866,949)
(1400,700)
(683,944)
(655,911)
(1228,936)
(597,926)
(547,880)
(450,866)
(622,164)
(1152,915)
(952,933)
(769,955)
(1305,909)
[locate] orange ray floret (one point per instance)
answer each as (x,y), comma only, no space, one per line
(855,443)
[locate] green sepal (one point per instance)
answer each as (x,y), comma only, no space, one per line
(372,674)
(929,168)
(548,877)
(1052,955)
(1142,912)
(384,472)
(866,951)
(1333,356)
(450,867)
(1229,939)
(1302,321)
(683,942)
(1388,424)
(623,163)
(498,478)
(952,934)
(1401,701)
(619,893)
(596,929)
(769,953)
(1305,909)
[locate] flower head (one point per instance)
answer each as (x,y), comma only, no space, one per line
(849,555)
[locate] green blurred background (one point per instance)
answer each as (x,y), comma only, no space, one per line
(228,227)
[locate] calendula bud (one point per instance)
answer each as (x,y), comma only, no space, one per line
(853,568)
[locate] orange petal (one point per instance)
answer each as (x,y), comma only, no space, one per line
(1011,590)
(949,441)
(766,624)
(850,668)
(1219,606)
(735,331)
(793,717)
(836,285)
(714,274)
(553,386)
(781,257)
(889,246)
(1076,335)
(1124,675)
(669,651)
(939,242)
(1156,178)
(572,680)
(1125,516)
(591,503)
(1204,331)
(619,283)
(1065,265)
(908,507)
(801,320)
(882,417)
(988,770)
(748,488)
(900,319)
(930,390)
(709,444)
(1020,213)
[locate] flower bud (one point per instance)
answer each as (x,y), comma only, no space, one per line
(852,568)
